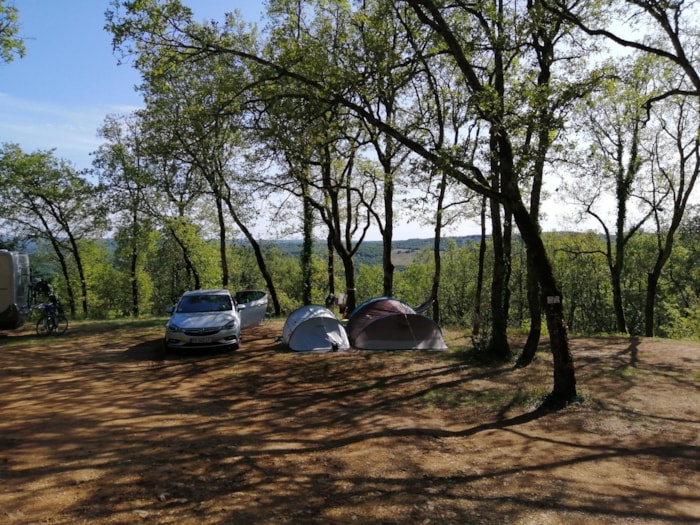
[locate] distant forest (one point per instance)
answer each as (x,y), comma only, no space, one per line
(370,252)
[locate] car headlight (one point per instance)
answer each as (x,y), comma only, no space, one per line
(231,325)
(173,328)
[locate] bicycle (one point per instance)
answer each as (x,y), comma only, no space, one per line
(52,320)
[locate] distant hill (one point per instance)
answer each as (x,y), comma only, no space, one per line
(370,253)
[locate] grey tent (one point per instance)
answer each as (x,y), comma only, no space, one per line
(314,328)
(386,323)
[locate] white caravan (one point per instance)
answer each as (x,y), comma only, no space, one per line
(15,284)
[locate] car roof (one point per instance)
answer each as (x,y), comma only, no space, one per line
(207,292)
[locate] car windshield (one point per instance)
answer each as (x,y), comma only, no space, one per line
(204,303)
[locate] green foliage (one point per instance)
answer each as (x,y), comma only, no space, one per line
(639,257)
(678,312)
(413,285)
(369,282)
(458,284)
(11,44)
(585,281)
(578,262)
(107,285)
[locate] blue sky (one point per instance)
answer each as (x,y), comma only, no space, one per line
(58,95)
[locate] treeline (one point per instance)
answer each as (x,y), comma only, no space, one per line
(340,117)
(371,252)
(579,259)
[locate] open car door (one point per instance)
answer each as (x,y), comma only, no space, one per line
(252,306)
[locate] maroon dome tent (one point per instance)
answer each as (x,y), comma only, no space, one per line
(386,323)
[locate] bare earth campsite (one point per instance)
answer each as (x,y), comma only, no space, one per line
(101,426)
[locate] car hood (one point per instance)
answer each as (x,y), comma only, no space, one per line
(202,319)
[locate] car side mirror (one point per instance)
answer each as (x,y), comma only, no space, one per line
(170,309)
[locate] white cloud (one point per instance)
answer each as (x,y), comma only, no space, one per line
(71,131)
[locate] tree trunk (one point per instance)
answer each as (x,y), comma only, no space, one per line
(351,293)
(653,286)
(258,257)
(622,195)
(133,264)
(544,44)
(535,306)
(476,324)
(222,242)
(189,265)
(133,277)
(498,345)
(66,274)
(649,305)
(508,263)
(618,306)
(330,264)
(81,270)
(307,252)
(437,258)
(564,388)
(654,276)
(388,236)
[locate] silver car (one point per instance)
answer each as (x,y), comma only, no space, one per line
(204,319)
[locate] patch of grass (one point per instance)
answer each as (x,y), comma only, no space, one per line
(529,398)
(454,398)
(146,328)
(626,372)
(479,357)
(487,399)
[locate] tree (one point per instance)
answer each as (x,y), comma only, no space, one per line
(47,199)
(451,121)
(328,182)
(11,45)
(683,274)
(491,106)
(151,190)
(193,114)
(676,158)
(128,188)
(613,167)
(668,33)
(666,30)
(548,99)
(319,141)
(383,43)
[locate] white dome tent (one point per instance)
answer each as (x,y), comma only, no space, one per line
(314,328)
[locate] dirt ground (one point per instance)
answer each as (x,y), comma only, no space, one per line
(100,426)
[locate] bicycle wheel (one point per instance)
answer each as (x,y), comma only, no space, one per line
(42,326)
(61,324)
